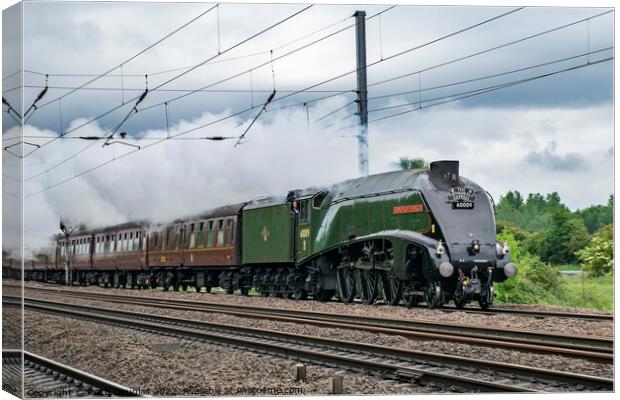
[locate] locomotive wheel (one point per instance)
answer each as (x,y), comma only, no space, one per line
(486,298)
(411,300)
(345,282)
(295,282)
(432,294)
(324,295)
(264,286)
(390,288)
(366,283)
(299,294)
(285,287)
(276,288)
(459,298)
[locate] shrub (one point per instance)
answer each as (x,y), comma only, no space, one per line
(597,258)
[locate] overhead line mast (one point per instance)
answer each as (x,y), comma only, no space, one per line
(362,91)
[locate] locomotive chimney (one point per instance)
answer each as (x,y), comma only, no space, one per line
(445,173)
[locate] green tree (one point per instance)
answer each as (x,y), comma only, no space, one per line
(597,216)
(559,243)
(406,163)
(597,259)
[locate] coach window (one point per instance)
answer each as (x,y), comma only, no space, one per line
(220,232)
(210,234)
(192,236)
(229,231)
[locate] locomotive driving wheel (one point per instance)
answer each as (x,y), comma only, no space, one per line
(345,283)
(390,288)
(323,295)
(366,282)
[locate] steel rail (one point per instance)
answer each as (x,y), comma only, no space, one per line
(491,311)
(99,384)
(533,313)
(530,375)
(600,348)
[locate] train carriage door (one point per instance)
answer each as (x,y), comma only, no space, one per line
(302,237)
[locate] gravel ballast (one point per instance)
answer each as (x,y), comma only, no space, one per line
(547,361)
(165,366)
(575,326)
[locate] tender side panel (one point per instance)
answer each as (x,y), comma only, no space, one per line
(267,235)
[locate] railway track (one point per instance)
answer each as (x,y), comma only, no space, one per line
(446,372)
(443,371)
(596,348)
(491,311)
(533,313)
(43,377)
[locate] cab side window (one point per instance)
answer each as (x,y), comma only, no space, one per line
(303,210)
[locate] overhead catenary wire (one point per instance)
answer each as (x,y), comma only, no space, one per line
(11,75)
(452,61)
(229,59)
(490,76)
(135,55)
(250,109)
(465,95)
(493,48)
(390,57)
(401,53)
(135,89)
(155,142)
(250,70)
(184,72)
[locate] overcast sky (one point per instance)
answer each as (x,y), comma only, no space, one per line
(545,135)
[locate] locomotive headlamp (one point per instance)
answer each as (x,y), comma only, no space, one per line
(510,270)
(446,269)
(502,249)
(475,247)
(505,248)
(440,249)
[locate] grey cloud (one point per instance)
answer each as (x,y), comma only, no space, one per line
(549,159)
